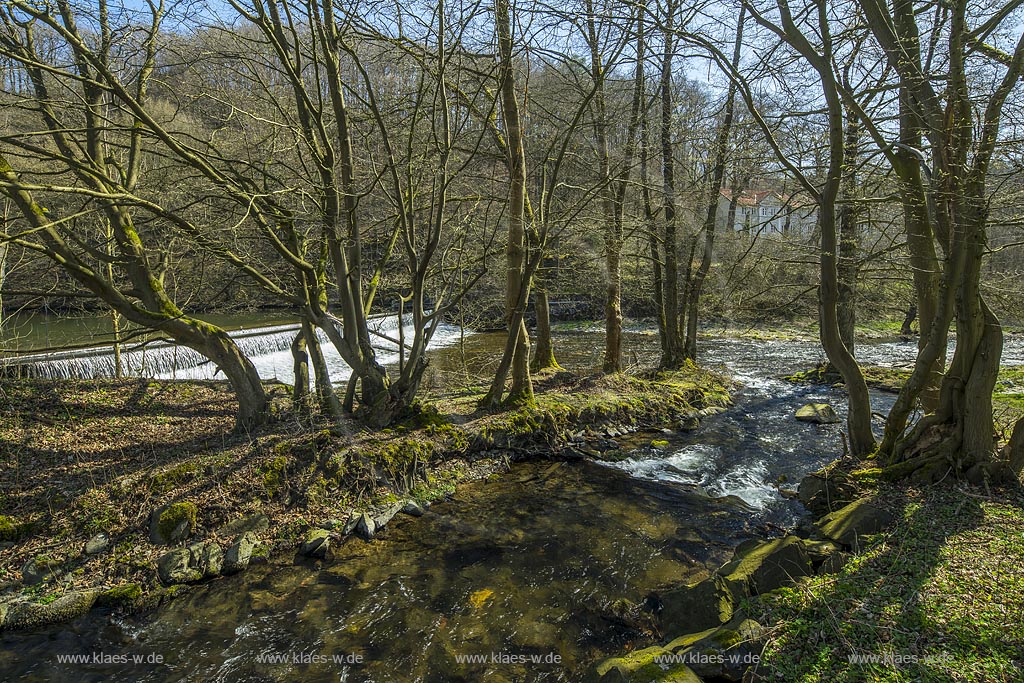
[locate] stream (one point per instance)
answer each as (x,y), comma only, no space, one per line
(520,577)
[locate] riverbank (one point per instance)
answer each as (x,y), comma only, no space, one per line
(936,596)
(890,582)
(125,493)
(1007,397)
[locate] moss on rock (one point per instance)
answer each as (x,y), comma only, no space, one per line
(703,605)
(273,474)
(124,595)
(175,522)
(850,524)
(25,614)
(8,529)
(767,566)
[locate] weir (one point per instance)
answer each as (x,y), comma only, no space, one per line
(162,358)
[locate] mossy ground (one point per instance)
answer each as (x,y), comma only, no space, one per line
(938,597)
(88,456)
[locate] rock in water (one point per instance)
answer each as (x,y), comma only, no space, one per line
(23,614)
(722,654)
(645,665)
(688,423)
(768,565)
(413,508)
(821,492)
(239,553)
(316,543)
(707,604)
(366,527)
(387,515)
(207,558)
(817,413)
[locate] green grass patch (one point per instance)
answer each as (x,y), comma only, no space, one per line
(937,598)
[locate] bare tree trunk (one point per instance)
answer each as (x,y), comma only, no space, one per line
(300,373)
(4,247)
(155,310)
(714,189)
(959,434)
(849,238)
(1015,448)
(544,354)
(921,246)
(612,222)
(858,421)
(517,283)
(217,345)
(672,356)
(658,284)
(908,320)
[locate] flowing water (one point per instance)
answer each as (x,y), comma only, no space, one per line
(265,339)
(520,577)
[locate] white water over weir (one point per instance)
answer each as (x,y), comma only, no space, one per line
(269,348)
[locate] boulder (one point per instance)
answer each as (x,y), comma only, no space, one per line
(316,543)
(723,654)
(821,493)
(834,563)
(97,544)
(707,604)
(207,558)
(382,519)
(176,567)
(411,507)
(22,614)
(649,665)
(255,523)
(769,565)
(817,413)
(237,557)
(125,594)
(9,531)
(688,423)
(38,569)
(819,551)
(858,519)
(366,526)
(332,524)
(172,523)
(350,524)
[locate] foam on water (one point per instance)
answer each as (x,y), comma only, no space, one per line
(268,347)
(701,465)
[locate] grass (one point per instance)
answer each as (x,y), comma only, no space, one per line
(939,597)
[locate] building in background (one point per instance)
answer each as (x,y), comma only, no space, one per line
(769,213)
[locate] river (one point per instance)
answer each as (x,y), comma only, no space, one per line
(528,572)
